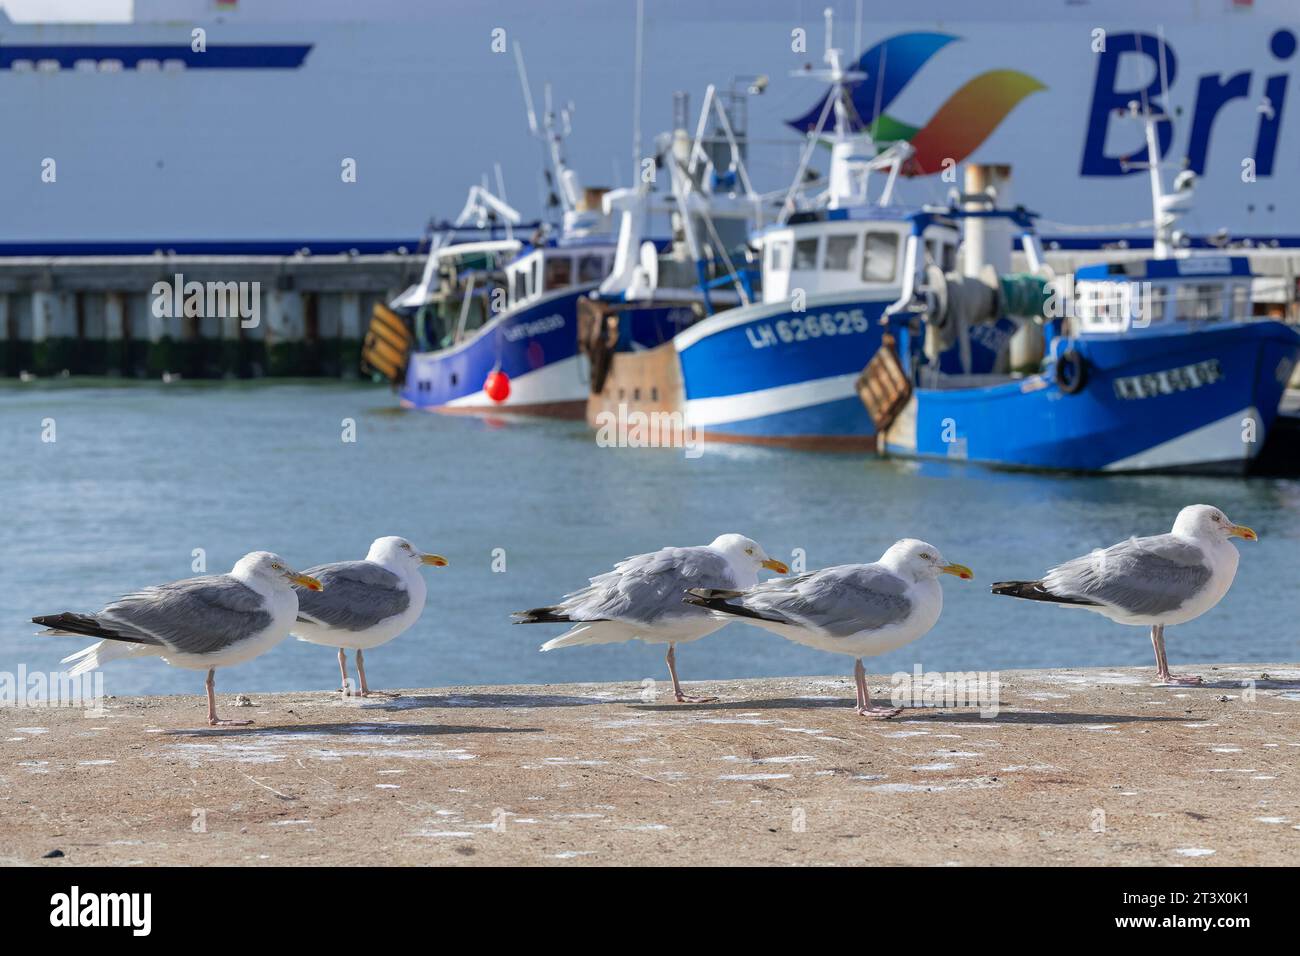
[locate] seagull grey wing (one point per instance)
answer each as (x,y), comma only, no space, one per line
(1144,576)
(837,601)
(354,596)
(648,588)
(196,616)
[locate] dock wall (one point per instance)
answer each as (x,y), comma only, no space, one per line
(193,316)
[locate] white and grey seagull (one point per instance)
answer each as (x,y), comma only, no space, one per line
(365,603)
(857,609)
(200,623)
(641,598)
(1149,582)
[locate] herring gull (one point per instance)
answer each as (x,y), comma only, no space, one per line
(1163,579)
(200,623)
(857,609)
(642,598)
(365,603)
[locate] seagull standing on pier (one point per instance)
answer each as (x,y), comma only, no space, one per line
(200,623)
(857,609)
(1149,582)
(365,603)
(642,598)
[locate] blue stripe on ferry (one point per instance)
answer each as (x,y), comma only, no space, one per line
(221,56)
(217,247)
(276,247)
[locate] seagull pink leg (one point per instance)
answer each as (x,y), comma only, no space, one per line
(213,720)
(865,708)
(345,689)
(677,687)
(361,672)
(1162,662)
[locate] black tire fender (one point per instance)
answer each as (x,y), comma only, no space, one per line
(1071,372)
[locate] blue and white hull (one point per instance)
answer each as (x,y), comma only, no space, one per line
(536,346)
(1182,400)
(764,374)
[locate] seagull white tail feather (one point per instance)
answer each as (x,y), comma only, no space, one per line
(97,655)
(595,632)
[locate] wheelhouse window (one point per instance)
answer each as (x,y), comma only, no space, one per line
(805,255)
(591,268)
(537,276)
(839,253)
(521,285)
(880,257)
(1148,302)
(1240,301)
(559,272)
(778,256)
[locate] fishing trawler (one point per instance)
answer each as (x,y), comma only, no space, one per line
(1157,364)
(492,324)
(781,368)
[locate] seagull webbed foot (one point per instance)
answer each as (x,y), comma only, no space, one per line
(1190,680)
(688,699)
(876,712)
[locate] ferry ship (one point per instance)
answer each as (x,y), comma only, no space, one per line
(331,126)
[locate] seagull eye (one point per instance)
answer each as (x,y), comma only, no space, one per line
(278,567)
(749,550)
(927,557)
(1215,518)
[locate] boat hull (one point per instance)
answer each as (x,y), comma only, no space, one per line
(764,374)
(1200,401)
(535,346)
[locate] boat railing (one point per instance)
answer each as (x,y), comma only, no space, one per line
(1122,306)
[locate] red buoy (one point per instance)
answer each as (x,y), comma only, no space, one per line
(497,386)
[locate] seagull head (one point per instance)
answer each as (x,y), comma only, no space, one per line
(273,570)
(746,554)
(1208,523)
(921,561)
(394,552)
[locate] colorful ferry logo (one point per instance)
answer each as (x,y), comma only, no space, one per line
(959,126)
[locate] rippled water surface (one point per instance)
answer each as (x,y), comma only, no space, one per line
(141,475)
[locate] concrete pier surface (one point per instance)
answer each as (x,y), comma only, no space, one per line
(1076,767)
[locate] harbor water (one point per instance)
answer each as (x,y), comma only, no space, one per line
(138,478)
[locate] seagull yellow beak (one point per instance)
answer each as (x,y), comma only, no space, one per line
(960,570)
(437,560)
(307,581)
(772,564)
(1241,531)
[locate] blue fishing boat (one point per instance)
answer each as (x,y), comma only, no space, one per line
(492,325)
(781,369)
(1161,367)
(501,335)
(1150,364)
